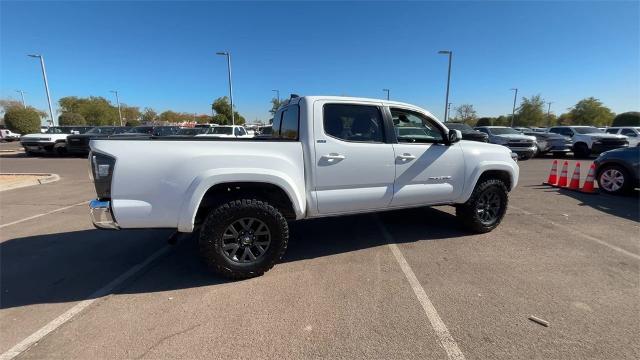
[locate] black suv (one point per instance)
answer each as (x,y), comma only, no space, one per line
(79,144)
(468,133)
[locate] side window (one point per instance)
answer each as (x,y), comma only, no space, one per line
(612,131)
(236,131)
(629,132)
(359,123)
(290,123)
(411,127)
(242,131)
(275,127)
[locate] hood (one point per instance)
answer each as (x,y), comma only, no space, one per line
(605,136)
(37,136)
(516,137)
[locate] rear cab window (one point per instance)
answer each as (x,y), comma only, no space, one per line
(286,123)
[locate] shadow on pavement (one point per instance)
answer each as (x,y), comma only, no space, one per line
(626,207)
(66,267)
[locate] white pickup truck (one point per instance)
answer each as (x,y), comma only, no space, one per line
(327,156)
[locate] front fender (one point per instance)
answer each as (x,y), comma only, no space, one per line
(210,178)
(483,166)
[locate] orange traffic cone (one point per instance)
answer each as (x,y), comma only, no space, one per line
(588,184)
(563,175)
(575,178)
(553,175)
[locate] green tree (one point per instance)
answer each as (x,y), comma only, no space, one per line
(96,110)
(590,111)
(68,118)
(565,119)
(630,118)
(130,113)
(275,105)
(149,115)
(222,108)
(22,120)
(484,121)
(203,119)
(531,112)
(466,114)
(132,123)
(169,116)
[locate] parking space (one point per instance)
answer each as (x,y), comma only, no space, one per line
(340,292)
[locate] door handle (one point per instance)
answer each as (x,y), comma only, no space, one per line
(406,157)
(333,156)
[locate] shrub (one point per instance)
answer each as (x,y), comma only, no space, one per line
(23,121)
(484,121)
(132,123)
(631,118)
(70,118)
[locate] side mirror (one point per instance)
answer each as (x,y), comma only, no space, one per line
(454,136)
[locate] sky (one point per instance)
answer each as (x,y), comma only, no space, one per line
(162,54)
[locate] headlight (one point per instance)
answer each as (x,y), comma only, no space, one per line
(102,171)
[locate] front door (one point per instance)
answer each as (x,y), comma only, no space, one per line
(354,163)
(428,170)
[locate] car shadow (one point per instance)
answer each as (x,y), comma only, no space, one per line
(68,267)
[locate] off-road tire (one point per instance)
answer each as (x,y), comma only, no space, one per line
(467,213)
(215,224)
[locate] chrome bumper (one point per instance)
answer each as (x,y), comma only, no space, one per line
(101,215)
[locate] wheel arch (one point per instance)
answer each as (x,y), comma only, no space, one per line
(209,190)
(490,170)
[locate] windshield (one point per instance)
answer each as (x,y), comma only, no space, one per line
(221,130)
(101,130)
(587,130)
(504,131)
(58,130)
(459,126)
(141,130)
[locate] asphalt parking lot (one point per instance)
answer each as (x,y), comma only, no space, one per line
(342,290)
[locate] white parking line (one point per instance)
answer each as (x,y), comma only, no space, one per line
(578,233)
(445,338)
(40,215)
(69,314)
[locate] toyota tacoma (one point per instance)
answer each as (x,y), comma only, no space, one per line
(327,156)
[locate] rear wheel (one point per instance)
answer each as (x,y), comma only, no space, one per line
(581,150)
(485,208)
(243,238)
(613,179)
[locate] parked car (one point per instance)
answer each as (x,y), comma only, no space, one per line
(467,132)
(149,130)
(53,141)
(264,132)
(589,140)
(206,126)
(618,171)
(187,132)
(227,131)
(631,132)
(79,144)
(550,143)
(8,135)
(332,156)
(523,145)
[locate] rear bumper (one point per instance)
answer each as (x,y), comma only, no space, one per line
(101,215)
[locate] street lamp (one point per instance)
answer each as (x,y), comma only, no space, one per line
(449,108)
(387,91)
(22,96)
(277,94)
(513,112)
(46,85)
(228,55)
(446,101)
(548,112)
(118,102)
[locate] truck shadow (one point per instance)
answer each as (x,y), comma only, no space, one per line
(69,267)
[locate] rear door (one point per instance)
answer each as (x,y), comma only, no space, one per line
(354,162)
(428,170)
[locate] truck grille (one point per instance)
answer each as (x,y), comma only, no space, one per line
(520,143)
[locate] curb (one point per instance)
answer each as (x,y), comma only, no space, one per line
(42,179)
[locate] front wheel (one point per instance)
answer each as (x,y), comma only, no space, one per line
(243,238)
(485,208)
(581,151)
(613,179)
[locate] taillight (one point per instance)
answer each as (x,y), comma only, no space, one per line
(102,171)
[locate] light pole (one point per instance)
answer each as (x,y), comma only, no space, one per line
(24,105)
(228,55)
(446,101)
(46,85)
(449,109)
(387,91)
(513,112)
(277,94)
(118,102)
(548,112)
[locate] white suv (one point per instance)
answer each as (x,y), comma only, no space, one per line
(589,140)
(631,132)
